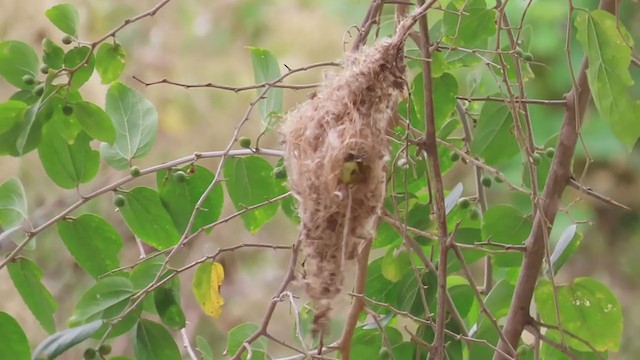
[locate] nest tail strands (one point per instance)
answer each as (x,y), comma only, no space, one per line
(336,153)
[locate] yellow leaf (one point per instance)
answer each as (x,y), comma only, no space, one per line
(207,280)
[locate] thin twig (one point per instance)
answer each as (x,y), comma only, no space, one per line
(590,192)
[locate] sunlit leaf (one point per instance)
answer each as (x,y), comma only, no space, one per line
(95,121)
(13,203)
(266,69)
(207,280)
(10,114)
(53,55)
(68,165)
(73,58)
(17,60)
(493,138)
(110,61)
(65,17)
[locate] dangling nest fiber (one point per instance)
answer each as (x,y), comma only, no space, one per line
(336,153)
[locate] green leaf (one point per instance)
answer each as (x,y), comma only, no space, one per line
(587,308)
(75,57)
(608,47)
(13,203)
(154,342)
(145,272)
(121,326)
(461,294)
(10,114)
(103,294)
(110,61)
(26,277)
(469,23)
(202,346)
(148,219)
(506,225)
(468,236)
(65,17)
(237,337)
(15,344)
(548,352)
(168,308)
(493,139)
(445,90)
(53,55)
(395,264)
(60,342)
(17,60)
(95,121)
(180,197)
(250,182)
(266,69)
(93,242)
(68,165)
(566,246)
(136,122)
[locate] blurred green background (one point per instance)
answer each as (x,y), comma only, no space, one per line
(201,41)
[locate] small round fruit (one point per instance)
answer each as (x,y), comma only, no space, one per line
(464,203)
(527,57)
(536,158)
(550,152)
(39,90)
(67,39)
(245,142)
(180,177)
(118,201)
(497,179)
(474,214)
(134,171)
(280,172)
(486,181)
(44,69)
(67,110)
(90,354)
(454,156)
(28,79)
(519,52)
(104,349)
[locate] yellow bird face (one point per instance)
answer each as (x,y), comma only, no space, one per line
(354,170)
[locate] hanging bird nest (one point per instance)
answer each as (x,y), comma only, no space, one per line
(336,153)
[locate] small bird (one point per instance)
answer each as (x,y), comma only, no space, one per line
(354,170)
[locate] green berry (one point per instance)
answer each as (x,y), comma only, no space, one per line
(90,354)
(134,171)
(464,203)
(519,52)
(39,90)
(486,181)
(118,201)
(245,142)
(29,79)
(527,57)
(550,152)
(67,39)
(474,214)
(280,172)
(454,156)
(67,110)
(536,158)
(104,349)
(44,69)
(180,177)
(497,179)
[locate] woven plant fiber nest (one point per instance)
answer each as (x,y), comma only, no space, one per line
(336,152)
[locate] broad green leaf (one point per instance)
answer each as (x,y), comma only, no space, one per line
(10,114)
(168,308)
(13,203)
(469,23)
(566,246)
(95,121)
(154,342)
(180,197)
(74,58)
(266,69)
(68,165)
(395,264)
(93,242)
(587,308)
(461,294)
(148,219)
(237,337)
(65,17)
(15,344)
(504,224)
(207,280)
(468,236)
(53,55)
(60,342)
(607,45)
(17,60)
(145,272)
(548,352)
(445,90)
(110,61)
(119,327)
(26,277)
(103,294)
(202,346)
(250,182)
(493,138)
(136,122)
